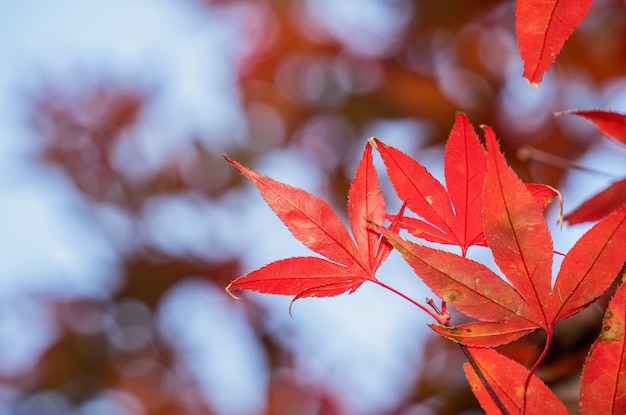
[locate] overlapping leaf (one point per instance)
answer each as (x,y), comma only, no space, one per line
(542,28)
(447,216)
(453,215)
(516,231)
(518,236)
(501,373)
(603,385)
(471,288)
(485,204)
(313,222)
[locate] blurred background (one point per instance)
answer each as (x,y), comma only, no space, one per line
(121,223)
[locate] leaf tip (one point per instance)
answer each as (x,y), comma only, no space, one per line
(232,162)
(461,115)
(229,292)
(490,138)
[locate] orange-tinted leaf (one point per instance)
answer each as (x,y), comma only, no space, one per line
(603,384)
(464,169)
(612,124)
(600,205)
(589,267)
(366,203)
(506,378)
(293,276)
(516,230)
(542,28)
(310,219)
(466,285)
(486,334)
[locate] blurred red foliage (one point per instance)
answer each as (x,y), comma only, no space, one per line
(303,84)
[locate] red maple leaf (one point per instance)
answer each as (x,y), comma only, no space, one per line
(519,239)
(453,215)
(485,204)
(542,28)
(312,221)
(518,236)
(449,216)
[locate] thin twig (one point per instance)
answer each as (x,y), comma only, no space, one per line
(444,318)
(440,319)
(534,368)
(530,153)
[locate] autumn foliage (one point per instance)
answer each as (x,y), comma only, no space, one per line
(483,203)
(125,224)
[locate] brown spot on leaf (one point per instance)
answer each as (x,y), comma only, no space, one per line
(452,296)
(612,328)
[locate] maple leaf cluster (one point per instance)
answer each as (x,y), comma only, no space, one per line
(483,204)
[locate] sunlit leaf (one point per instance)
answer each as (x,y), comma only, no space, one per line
(292,276)
(464,170)
(312,221)
(366,204)
(448,216)
(423,194)
(516,230)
